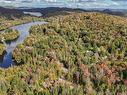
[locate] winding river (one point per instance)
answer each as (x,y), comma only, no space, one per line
(7,59)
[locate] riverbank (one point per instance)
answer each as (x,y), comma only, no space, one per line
(8,22)
(14,37)
(9,35)
(13,21)
(2,48)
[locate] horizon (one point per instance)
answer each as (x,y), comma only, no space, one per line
(83,4)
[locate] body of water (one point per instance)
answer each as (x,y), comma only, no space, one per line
(38,14)
(7,60)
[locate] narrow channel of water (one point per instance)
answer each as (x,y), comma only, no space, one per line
(7,60)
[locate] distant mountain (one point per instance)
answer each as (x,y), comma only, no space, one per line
(119,13)
(52,11)
(8,10)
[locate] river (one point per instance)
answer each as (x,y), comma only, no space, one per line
(7,59)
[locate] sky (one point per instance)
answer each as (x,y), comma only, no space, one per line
(84,4)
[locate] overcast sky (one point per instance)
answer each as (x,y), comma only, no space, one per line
(117,4)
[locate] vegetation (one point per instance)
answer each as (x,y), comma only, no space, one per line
(77,54)
(9,34)
(5,36)
(5,22)
(2,48)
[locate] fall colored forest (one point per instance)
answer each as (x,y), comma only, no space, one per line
(74,54)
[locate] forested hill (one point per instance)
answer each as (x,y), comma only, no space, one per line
(9,11)
(54,11)
(76,54)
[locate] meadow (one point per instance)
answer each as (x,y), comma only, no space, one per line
(75,54)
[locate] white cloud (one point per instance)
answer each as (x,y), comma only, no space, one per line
(68,3)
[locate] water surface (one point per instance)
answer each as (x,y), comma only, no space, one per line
(38,14)
(6,60)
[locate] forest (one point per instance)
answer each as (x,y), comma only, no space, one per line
(74,54)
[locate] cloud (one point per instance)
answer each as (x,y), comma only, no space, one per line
(68,3)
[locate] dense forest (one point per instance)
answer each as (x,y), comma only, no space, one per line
(74,54)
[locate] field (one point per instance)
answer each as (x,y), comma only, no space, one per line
(75,54)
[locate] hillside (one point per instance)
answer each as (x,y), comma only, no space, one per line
(76,54)
(55,11)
